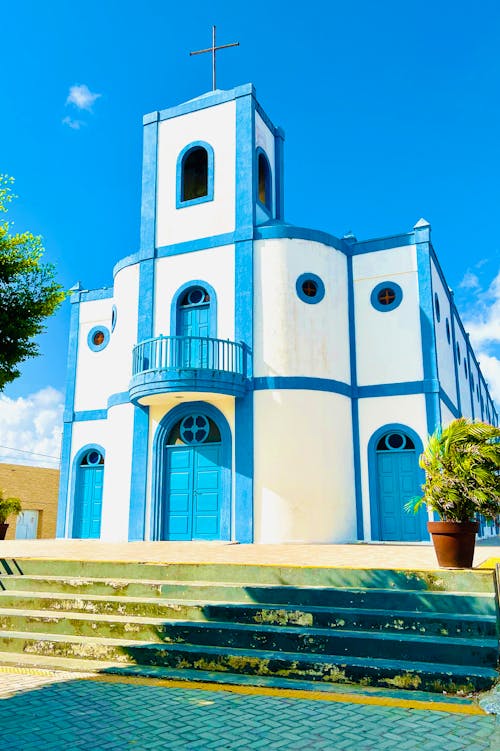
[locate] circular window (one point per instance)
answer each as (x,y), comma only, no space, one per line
(465,368)
(98,338)
(195,429)
(113,318)
(386,296)
(437,308)
(92,458)
(195,296)
(310,288)
(395,442)
(459,358)
(448,335)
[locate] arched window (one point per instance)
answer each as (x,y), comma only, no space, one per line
(264,180)
(195,174)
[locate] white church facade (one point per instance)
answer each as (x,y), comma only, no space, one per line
(246,379)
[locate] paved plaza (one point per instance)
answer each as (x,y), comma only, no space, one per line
(55,711)
(416,556)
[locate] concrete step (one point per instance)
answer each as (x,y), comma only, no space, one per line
(440,601)
(435,677)
(412,647)
(438,580)
(440,624)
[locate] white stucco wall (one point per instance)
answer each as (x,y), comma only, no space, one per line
(212,265)
(217,126)
(446,415)
(374,413)
(463,381)
(291,337)
(304,476)
(117,474)
(108,371)
(444,349)
(388,343)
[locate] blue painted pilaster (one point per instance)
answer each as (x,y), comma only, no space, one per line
(422,232)
(138,478)
(279,159)
(68,417)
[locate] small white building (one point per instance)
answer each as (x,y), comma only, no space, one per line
(245,379)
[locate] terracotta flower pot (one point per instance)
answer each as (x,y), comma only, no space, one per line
(3,531)
(454,542)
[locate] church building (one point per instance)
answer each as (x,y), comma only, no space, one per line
(250,380)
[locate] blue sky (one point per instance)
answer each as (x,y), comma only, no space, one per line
(391,112)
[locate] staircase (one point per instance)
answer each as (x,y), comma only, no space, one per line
(428,630)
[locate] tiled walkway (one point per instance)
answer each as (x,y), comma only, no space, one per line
(61,712)
(361,555)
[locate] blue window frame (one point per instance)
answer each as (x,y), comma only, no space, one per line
(113,318)
(195,174)
(264,181)
(386,296)
(310,288)
(98,338)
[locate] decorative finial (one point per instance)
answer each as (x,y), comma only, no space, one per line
(213,49)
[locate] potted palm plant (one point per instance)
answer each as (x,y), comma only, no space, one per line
(462,481)
(8,507)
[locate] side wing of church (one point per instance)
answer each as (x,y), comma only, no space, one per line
(245,379)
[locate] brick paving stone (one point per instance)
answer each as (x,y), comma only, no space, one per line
(57,712)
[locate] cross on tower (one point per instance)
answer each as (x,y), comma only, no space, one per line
(213,49)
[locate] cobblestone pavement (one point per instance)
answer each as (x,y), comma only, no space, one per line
(56,712)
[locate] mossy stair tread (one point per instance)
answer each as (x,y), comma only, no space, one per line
(298,658)
(177,624)
(237,584)
(233,607)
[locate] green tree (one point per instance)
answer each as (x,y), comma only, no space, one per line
(29,292)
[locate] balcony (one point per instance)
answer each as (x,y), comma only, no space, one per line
(168,364)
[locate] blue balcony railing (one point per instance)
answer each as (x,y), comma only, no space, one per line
(188,363)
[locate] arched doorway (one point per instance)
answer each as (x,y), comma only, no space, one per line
(88,494)
(191,494)
(396,479)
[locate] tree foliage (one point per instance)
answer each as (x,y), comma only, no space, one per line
(462,471)
(8,506)
(29,292)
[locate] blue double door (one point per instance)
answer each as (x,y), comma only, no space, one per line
(194,493)
(397,483)
(88,502)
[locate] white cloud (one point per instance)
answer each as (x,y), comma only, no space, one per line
(470,281)
(482,321)
(32,424)
(82,97)
(73,124)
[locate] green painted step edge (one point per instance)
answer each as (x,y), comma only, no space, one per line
(276,614)
(81,668)
(175,624)
(407,674)
(439,579)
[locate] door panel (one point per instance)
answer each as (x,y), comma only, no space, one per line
(397,483)
(194,494)
(88,503)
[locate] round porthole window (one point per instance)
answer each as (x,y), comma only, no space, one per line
(448,335)
(386,296)
(113,318)
(195,429)
(310,288)
(458,354)
(98,338)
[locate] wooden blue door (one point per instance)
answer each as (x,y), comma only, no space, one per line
(194,322)
(194,492)
(88,497)
(397,480)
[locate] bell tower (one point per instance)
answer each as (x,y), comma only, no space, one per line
(212,168)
